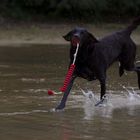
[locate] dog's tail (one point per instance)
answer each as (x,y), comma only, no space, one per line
(135,23)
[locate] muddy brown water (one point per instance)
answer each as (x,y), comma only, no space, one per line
(26,111)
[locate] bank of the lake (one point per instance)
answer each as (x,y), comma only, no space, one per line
(51,33)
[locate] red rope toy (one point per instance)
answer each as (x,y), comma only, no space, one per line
(68,75)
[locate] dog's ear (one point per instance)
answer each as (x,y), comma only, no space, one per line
(68,36)
(91,37)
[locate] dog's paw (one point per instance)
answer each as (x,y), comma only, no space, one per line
(102,102)
(60,107)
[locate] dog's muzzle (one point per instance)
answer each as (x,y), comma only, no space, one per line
(75,40)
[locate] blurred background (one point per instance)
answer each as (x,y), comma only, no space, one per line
(45,21)
(85,10)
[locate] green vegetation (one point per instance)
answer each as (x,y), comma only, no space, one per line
(91,10)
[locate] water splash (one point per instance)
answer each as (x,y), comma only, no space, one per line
(128,99)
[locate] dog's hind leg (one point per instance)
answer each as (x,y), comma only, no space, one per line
(137,69)
(138,73)
(121,70)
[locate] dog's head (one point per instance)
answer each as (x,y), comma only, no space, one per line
(79,35)
(83,37)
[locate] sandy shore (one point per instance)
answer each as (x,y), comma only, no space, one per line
(14,35)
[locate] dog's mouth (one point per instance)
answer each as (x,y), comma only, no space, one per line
(75,40)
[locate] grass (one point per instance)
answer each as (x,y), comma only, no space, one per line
(52,33)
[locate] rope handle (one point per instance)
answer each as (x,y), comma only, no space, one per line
(70,72)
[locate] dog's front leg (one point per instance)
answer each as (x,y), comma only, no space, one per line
(103,91)
(103,87)
(65,95)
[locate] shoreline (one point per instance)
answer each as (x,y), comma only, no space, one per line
(18,35)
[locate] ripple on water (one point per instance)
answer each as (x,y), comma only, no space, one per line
(23,113)
(35,80)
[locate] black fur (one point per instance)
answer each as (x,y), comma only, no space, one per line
(95,56)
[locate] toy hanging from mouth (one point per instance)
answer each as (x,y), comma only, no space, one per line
(70,72)
(68,75)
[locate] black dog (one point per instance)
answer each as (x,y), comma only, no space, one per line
(95,56)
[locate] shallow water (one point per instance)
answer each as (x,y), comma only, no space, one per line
(26,111)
